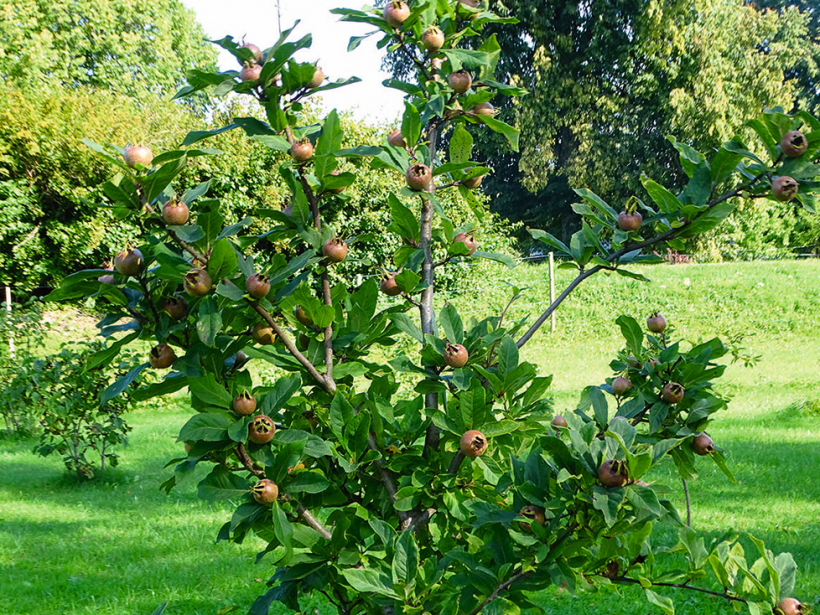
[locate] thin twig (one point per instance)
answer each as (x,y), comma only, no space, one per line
(498,590)
(685,586)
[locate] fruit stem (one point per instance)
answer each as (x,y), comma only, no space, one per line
(688,505)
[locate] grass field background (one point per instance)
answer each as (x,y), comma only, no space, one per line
(118,545)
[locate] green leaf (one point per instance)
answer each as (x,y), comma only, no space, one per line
(105,356)
(550,240)
(599,406)
(404,222)
(495,256)
(222,262)
(508,356)
(307,482)
(208,390)
(461,145)
(159,180)
(120,385)
(369,581)
(633,333)
(278,396)
(406,324)
(607,501)
(411,125)
(209,323)
(511,134)
(665,604)
(206,426)
(708,220)
(665,200)
(406,558)
(451,322)
(341,414)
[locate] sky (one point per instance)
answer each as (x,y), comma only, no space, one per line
(256,20)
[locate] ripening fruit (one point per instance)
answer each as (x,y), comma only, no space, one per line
(261,430)
(460,81)
(302,151)
(263,334)
(396,139)
(621,385)
(656,323)
(558,421)
(702,444)
(455,355)
(258,286)
(175,307)
(789,606)
(265,492)
(432,39)
(251,72)
(396,13)
(198,282)
(106,279)
(784,188)
(388,285)
(335,249)
(129,262)
(534,513)
(302,341)
(338,190)
(317,79)
(793,144)
(473,182)
(302,316)
(244,404)
(473,443)
(255,52)
(484,108)
(613,473)
(161,356)
(175,213)
(630,222)
(672,393)
(468,240)
(419,176)
(138,155)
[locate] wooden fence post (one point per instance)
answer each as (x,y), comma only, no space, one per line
(8,311)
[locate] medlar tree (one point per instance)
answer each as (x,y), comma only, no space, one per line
(438,481)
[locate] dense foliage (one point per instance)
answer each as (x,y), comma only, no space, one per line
(438,480)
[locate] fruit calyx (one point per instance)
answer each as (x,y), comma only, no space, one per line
(388,285)
(162,356)
(621,385)
(533,513)
(302,151)
(613,473)
(672,392)
(794,143)
(702,444)
(129,262)
(138,155)
(419,176)
(175,307)
(460,81)
(455,355)
(473,444)
(265,492)
(468,239)
(251,73)
(789,606)
(396,139)
(198,282)
(263,334)
(656,323)
(784,188)
(175,213)
(244,404)
(396,13)
(261,430)
(258,286)
(335,249)
(432,39)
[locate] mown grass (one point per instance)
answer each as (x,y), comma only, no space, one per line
(119,545)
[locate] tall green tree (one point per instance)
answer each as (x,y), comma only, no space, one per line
(130,46)
(610,79)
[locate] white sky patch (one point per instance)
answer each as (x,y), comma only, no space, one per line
(256,20)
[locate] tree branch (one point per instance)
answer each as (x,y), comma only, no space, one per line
(388,482)
(497,591)
(724,595)
(671,233)
(328,385)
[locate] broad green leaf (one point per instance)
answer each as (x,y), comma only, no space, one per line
(120,385)
(209,323)
(207,426)
(451,323)
(406,558)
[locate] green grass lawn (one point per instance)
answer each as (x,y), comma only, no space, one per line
(120,545)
